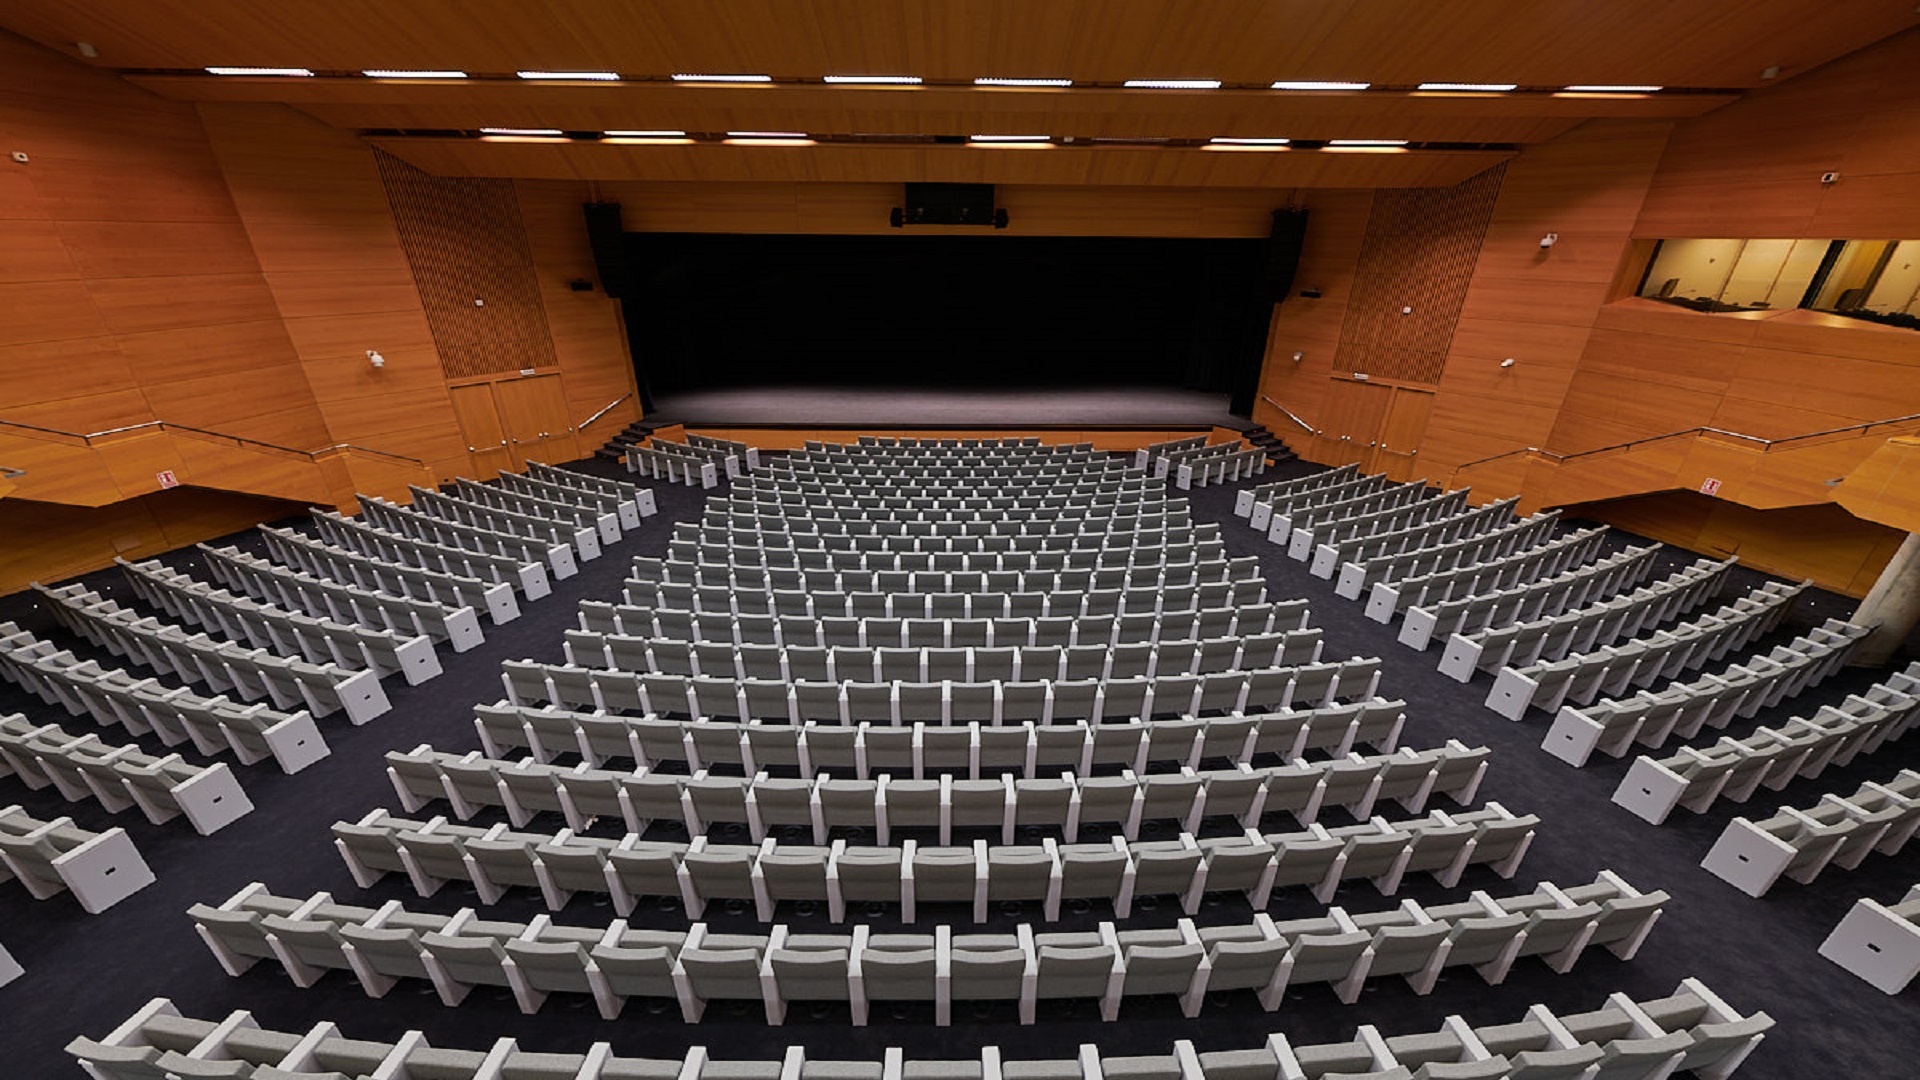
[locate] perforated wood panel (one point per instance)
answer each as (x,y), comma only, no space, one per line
(1415,265)
(468,249)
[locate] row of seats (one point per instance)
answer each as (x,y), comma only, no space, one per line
(749,456)
(470,782)
(1438,520)
(391,542)
(82,767)
(1574,587)
(630,503)
(286,633)
(974,750)
(1357,578)
(215,725)
(857,521)
(886,663)
(1226,467)
(731,462)
(433,852)
(295,590)
(676,465)
(770,561)
(1016,493)
(1614,726)
(1306,492)
(1147,458)
(1753,855)
(1584,629)
(800,631)
(555,506)
(378,574)
(534,960)
(1663,655)
(1689,1031)
(557,558)
(1127,571)
(1283,527)
(251,673)
(947,702)
(1386,599)
(954,605)
(48,858)
(465,508)
(922,538)
(1735,768)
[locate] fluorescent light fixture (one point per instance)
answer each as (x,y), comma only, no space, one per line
(1470,87)
(766,134)
(992,81)
(1604,89)
(1009,138)
(1249,142)
(876,80)
(1172,84)
(582,76)
(627,134)
(1292,84)
(381,73)
(1366,142)
(724,78)
(302,73)
(532,133)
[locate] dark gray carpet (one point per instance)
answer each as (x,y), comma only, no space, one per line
(86,973)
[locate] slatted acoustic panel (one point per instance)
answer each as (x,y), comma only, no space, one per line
(1310,324)
(467,246)
(589,340)
(1416,262)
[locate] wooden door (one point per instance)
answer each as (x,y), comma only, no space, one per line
(480,424)
(1401,430)
(535,413)
(1354,412)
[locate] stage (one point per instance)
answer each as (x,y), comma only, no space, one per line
(969,407)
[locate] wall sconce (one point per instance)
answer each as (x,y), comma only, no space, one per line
(374,358)
(1507,363)
(1549,240)
(1299,356)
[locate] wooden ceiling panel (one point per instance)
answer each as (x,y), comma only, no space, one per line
(1056,165)
(1532,42)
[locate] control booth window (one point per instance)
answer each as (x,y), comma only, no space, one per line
(1878,280)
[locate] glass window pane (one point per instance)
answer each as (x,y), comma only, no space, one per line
(1899,282)
(1692,269)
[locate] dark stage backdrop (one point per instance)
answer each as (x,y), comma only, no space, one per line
(730,309)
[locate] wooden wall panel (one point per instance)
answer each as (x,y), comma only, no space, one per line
(1329,259)
(1825,543)
(589,341)
(130,287)
(314,207)
(1415,265)
(1752,169)
(50,542)
(1538,305)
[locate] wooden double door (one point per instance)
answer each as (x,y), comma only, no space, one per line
(513,421)
(1377,426)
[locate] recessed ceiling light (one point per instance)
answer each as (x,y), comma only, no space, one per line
(1604,89)
(383,73)
(628,134)
(1008,138)
(1367,142)
(303,73)
(521,131)
(876,80)
(1172,84)
(583,76)
(724,78)
(523,134)
(1224,141)
(994,81)
(1291,84)
(1470,88)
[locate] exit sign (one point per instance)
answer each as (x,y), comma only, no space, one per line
(167,479)
(1709,486)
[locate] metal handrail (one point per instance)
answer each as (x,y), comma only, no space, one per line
(1765,443)
(1310,429)
(604,410)
(11,474)
(87,438)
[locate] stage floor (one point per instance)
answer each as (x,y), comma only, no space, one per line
(1066,406)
